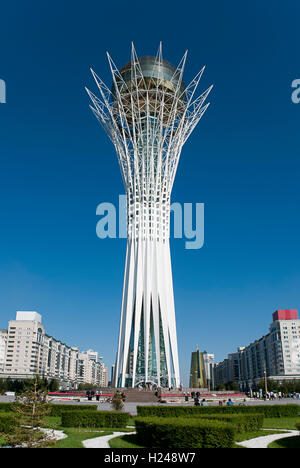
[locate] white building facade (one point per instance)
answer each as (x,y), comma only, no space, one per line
(3,346)
(26,350)
(276,355)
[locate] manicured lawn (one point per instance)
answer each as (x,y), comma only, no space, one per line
(125,441)
(280,423)
(52,422)
(288,442)
(76,436)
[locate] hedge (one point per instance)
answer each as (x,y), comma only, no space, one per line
(183,433)
(7,423)
(270,411)
(298,425)
(57,410)
(241,422)
(94,419)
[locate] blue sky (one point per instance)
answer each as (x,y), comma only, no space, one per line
(242,161)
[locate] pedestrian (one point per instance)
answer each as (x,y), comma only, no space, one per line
(230,403)
(203,402)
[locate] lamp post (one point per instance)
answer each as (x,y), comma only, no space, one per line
(266,382)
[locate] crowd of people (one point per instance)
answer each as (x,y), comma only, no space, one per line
(273,395)
(203,402)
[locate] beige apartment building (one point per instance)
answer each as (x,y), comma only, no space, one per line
(26,350)
(3,345)
(90,370)
(275,355)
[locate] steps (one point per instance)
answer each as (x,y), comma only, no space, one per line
(134,395)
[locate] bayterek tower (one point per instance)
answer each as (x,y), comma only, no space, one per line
(148,114)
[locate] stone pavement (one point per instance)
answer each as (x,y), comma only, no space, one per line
(265,441)
(102,442)
(53,434)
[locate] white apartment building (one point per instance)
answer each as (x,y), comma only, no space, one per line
(29,351)
(276,355)
(91,370)
(285,331)
(3,345)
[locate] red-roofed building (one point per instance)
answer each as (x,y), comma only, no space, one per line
(285,314)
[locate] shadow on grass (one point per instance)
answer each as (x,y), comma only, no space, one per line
(125,441)
(287,443)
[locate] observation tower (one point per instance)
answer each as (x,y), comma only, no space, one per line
(148,114)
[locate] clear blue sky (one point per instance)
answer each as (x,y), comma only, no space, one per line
(57,165)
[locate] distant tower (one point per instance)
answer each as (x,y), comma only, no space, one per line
(198,373)
(148,114)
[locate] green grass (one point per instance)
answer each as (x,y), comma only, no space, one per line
(125,441)
(76,436)
(288,442)
(280,423)
(52,422)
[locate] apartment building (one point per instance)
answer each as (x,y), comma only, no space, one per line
(27,350)
(228,371)
(91,370)
(3,345)
(276,355)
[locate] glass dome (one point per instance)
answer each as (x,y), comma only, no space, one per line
(156,88)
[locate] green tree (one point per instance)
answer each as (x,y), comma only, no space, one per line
(53,385)
(3,386)
(30,410)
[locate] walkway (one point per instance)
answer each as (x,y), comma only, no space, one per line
(265,441)
(102,442)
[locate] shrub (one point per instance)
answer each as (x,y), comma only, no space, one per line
(241,422)
(7,423)
(298,425)
(94,419)
(5,407)
(57,410)
(184,433)
(269,411)
(117,402)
